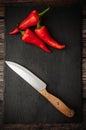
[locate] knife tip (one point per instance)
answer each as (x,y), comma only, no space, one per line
(8,62)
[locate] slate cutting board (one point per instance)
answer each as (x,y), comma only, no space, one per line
(61,69)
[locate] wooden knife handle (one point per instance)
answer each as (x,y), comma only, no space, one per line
(57,103)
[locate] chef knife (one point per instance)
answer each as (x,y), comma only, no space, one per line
(40,86)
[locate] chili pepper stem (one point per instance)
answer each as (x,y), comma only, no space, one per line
(22,32)
(43,12)
(38,24)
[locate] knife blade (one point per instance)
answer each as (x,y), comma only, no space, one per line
(40,86)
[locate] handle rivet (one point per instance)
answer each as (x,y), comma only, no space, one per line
(72,113)
(57,103)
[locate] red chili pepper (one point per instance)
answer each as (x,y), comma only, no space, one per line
(43,33)
(31,20)
(29,37)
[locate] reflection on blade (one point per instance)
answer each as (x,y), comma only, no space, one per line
(27,75)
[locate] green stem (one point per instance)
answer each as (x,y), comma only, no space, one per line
(40,14)
(43,12)
(22,32)
(38,24)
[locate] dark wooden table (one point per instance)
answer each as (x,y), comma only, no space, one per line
(72,126)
